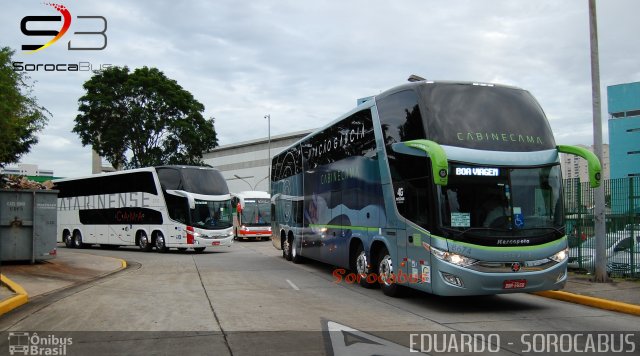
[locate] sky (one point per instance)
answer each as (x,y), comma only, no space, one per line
(305,63)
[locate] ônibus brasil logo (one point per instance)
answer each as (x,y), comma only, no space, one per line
(66,23)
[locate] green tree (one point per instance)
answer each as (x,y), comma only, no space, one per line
(20,115)
(142,118)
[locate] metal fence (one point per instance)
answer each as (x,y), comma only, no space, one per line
(622,212)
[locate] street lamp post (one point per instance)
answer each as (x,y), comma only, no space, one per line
(242,179)
(256,186)
(268,117)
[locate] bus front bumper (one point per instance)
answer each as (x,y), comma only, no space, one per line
(451,280)
(213,242)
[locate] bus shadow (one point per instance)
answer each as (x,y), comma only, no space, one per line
(498,303)
(136,249)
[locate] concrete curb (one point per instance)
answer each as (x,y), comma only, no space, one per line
(592,301)
(21,297)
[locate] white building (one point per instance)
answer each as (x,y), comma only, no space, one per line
(23,169)
(246,165)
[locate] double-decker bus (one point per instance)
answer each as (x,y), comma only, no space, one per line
(447,187)
(163,207)
(253,215)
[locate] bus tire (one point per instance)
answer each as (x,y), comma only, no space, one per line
(161,245)
(143,242)
(386,275)
(362,268)
(199,249)
(77,240)
(286,249)
(66,238)
(295,252)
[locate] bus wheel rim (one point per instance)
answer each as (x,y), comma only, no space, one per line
(361,264)
(386,270)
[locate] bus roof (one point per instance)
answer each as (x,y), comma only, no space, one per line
(411,85)
(134,170)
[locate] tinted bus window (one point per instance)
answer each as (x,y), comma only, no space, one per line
(400,118)
(114,184)
(485,117)
(204,181)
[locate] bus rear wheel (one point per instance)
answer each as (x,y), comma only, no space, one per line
(363,269)
(295,252)
(386,276)
(144,243)
(66,238)
(77,240)
(286,249)
(161,245)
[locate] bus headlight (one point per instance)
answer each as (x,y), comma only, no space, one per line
(560,255)
(454,258)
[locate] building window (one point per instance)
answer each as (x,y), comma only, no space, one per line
(633,130)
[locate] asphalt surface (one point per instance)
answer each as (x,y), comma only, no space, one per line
(23,281)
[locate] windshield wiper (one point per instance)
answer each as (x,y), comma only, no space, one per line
(555,229)
(458,233)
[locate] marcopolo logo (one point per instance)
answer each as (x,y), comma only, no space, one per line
(24,343)
(98,39)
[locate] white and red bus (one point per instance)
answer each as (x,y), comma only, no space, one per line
(253,215)
(163,207)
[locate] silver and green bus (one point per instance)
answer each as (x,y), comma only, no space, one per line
(450,188)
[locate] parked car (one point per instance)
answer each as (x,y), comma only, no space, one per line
(586,252)
(626,258)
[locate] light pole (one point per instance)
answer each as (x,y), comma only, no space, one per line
(256,186)
(599,211)
(268,117)
(242,179)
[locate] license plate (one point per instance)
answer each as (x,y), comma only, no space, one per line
(514,284)
(215,243)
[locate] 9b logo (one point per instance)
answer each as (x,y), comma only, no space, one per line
(66,18)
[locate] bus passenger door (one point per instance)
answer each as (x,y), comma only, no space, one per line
(413,202)
(418,258)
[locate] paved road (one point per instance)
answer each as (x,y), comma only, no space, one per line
(246,300)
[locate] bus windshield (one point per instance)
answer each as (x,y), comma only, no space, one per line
(212,215)
(256,212)
(486,118)
(517,201)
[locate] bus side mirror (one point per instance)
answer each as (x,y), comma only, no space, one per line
(426,148)
(593,163)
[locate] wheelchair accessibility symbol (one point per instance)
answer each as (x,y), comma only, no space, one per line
(518,221)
